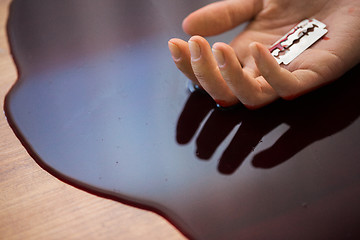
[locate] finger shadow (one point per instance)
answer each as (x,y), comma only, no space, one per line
(313,117)
(216,128)
(254,125)
(310,118)
(198,105)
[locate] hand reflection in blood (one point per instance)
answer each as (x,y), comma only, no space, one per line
(310,118)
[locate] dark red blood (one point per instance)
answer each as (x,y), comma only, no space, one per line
(278,45)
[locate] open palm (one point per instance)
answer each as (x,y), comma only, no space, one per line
(244,70)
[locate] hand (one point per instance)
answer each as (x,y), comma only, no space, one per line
(244,70)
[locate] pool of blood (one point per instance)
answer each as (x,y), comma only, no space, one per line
(100,105)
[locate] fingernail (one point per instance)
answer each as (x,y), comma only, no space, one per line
(194,50)
(174,50)
(219,57)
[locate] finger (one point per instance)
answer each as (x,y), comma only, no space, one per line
(220,16)
(252,92)
(180,53)
(205,69)
(288,85)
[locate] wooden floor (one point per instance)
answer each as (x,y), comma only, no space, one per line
(36,205)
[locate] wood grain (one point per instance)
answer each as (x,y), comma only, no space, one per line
(36,205)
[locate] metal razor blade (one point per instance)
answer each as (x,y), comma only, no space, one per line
(297,40)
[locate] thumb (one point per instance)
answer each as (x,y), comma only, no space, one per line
(219,17)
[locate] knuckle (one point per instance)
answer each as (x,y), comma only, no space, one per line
(200,75)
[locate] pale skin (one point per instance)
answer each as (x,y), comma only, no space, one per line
(244,70)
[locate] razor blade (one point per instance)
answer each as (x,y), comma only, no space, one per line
(297,40)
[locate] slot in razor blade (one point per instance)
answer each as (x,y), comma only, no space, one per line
(297,40)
